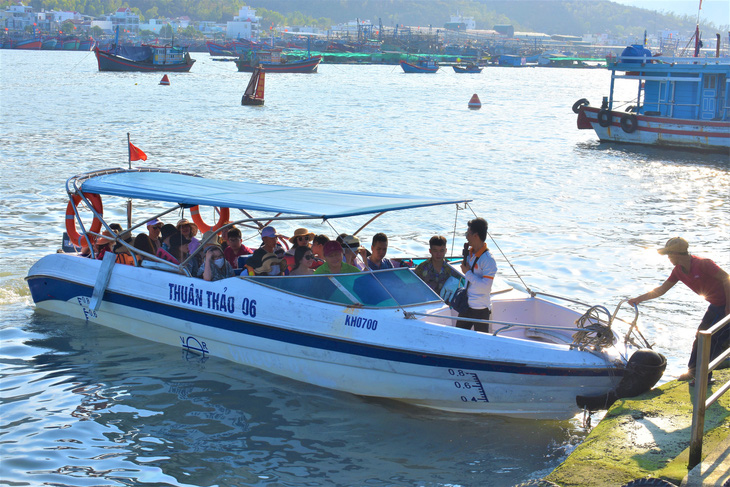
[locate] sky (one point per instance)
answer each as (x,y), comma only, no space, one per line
(716,11)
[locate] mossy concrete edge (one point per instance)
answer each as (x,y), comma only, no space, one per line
(645,436)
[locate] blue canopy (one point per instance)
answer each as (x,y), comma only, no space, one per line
(190,190)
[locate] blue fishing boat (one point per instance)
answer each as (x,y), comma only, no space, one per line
(680,102)
(144,58)
(420,66)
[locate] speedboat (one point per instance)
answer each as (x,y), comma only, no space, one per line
(680,102)
(384,334)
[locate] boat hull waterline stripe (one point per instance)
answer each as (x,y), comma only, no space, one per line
(49,288)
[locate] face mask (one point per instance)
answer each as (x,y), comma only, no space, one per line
(219,262)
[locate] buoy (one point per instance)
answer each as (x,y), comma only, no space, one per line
(474,103)
(165,81)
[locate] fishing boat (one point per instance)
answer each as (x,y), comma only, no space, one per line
(145,58)
(420,66)
(383,333)
(467,68)
(274,62)
(31,44)
(254,94)
(681,102)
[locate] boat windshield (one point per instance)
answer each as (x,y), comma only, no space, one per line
(377,289)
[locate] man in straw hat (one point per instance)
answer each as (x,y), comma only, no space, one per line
(705,278)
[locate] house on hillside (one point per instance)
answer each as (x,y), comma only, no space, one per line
(244,26)
(125,20)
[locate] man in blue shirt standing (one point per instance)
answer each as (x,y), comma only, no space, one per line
(479,271)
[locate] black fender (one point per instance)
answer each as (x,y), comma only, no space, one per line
(605,117)
(629,123)
(643,371)
(580,103)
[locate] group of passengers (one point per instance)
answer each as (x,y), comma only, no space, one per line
(308,254)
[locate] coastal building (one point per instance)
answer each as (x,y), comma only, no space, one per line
(125,20)
(244,26)
(459,22)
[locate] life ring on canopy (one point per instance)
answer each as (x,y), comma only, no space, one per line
(580,103)
(629,123)
(604,118)
(73,233)
(195,213)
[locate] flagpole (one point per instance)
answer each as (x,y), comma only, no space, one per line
(129,201)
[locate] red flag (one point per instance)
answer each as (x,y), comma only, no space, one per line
(136,154)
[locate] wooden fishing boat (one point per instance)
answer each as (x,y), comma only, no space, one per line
(254,94)
(274,62)
(145,58)
(420,66)
(374,333)
(467,68)
(681,102)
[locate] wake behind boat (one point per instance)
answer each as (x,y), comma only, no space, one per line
(375,333)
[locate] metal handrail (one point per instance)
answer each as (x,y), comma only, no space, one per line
(699,404)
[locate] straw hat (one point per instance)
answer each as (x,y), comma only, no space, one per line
(301,232)
(185,221)
(101,240)
(676,245)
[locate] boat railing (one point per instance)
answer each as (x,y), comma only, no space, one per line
(672,60)
(699,403)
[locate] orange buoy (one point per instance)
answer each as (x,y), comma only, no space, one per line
(165,81)
(474,103)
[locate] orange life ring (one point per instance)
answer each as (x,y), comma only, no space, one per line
(202,226)
(73,233)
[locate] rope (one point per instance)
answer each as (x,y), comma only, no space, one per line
(527,288)
(592,334)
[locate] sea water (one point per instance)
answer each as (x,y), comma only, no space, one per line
(84,405)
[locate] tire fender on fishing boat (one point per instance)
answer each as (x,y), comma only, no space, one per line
(642,372)
(204,227)
(629,123)
(580,103)
(73,233)
(605,118)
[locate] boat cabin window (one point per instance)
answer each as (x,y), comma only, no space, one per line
(379,289)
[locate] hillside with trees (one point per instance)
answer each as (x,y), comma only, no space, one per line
(568,17)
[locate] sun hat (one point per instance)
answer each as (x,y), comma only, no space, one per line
(269,232)
(675,245)
(331,247)
(185,221)
(301,232)
(167,230)
(101,240)
(213,246)
(267,262)
(154,223)
(351,241)
(213,238)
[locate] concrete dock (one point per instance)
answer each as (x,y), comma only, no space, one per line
(648,436)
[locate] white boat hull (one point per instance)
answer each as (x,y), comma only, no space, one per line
(659,131)
(368,351)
